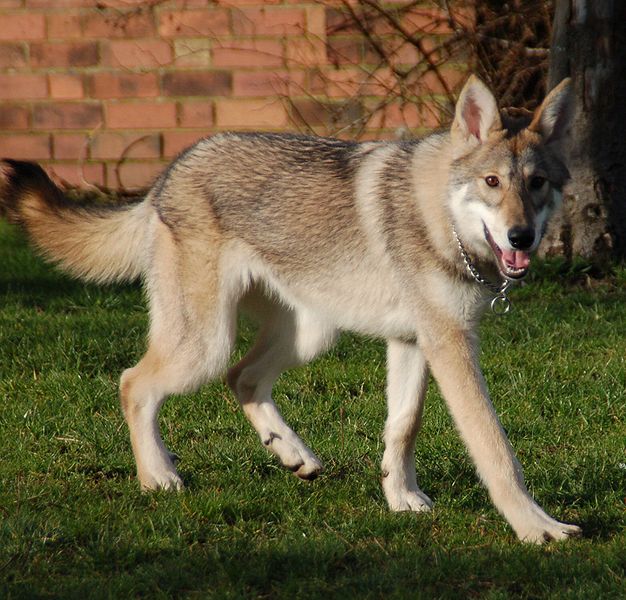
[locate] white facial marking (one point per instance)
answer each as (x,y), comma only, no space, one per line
(470,216)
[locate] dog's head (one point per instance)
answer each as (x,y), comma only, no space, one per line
(507,179)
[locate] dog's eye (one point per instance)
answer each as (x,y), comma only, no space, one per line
(536,183)
(492,181)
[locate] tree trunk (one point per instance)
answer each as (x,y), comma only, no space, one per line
(589,45)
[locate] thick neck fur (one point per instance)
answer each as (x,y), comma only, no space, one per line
(432,163)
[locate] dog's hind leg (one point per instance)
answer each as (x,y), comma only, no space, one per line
(287,339)
(191,335)
(407,378)
(143,389)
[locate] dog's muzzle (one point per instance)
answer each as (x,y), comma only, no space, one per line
(513,264)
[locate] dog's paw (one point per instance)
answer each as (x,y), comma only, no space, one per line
(161,475)
(402,499)
(293,454)
(310,469)
(546,530)
(162,481)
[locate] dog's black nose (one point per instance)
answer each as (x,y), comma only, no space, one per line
(521,238)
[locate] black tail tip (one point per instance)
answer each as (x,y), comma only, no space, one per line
(6,171)
(19,177)
(16,171)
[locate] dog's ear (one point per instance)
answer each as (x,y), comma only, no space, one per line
(552,119)
(476,114)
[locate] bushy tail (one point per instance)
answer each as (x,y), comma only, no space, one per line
(94,242)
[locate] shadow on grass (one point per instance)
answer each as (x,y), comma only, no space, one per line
(52,286)
(329,566)
(184,545)
(44,291)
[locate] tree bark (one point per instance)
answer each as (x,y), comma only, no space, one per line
(589,45)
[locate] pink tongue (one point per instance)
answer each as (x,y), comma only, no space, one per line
(516,259)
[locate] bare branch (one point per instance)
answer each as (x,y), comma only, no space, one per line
(417,42)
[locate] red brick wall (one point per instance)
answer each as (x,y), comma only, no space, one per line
(105,92)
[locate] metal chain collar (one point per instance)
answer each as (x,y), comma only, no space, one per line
(500,304)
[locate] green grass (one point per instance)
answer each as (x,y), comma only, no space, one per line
(73,523)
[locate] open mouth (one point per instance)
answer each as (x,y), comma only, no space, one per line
(513,264)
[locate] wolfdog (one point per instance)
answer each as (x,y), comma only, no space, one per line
(406,240)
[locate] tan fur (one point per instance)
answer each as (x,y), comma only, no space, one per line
(114,246)
(94,244)
(313,236)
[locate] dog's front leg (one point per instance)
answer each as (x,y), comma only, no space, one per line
(452,356)
(407,376)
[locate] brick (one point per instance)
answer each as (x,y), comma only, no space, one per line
(18,86)
(338,21)
(311,112)
(267,20)
(269,83)
(399,51)
(70,145)
(249,53)
(344,50)
(197,83)
(175,142)
(432,115)
(66,86)
(406,53)
(379,26)
(340,83)
(118,24)
(380,83)
(22,27)
(64,54)
(114,145)
(191,52)
(82,174)
(465,16)
(140,115)
(407,115)
(237,3)
(196,114)
(201,3)
(378,135)
(64,27)
(120,84)
(14,117)
(305,52)
(250,114)
(133,175)
(109,4)
(67,115)
(25,146)
(429,83)
(132,54)
(316,21)
(371,56)
(194,23)
(63,3)
(12,56)
(10,3)
(426,20)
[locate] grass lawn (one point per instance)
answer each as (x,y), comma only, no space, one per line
(73,523)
